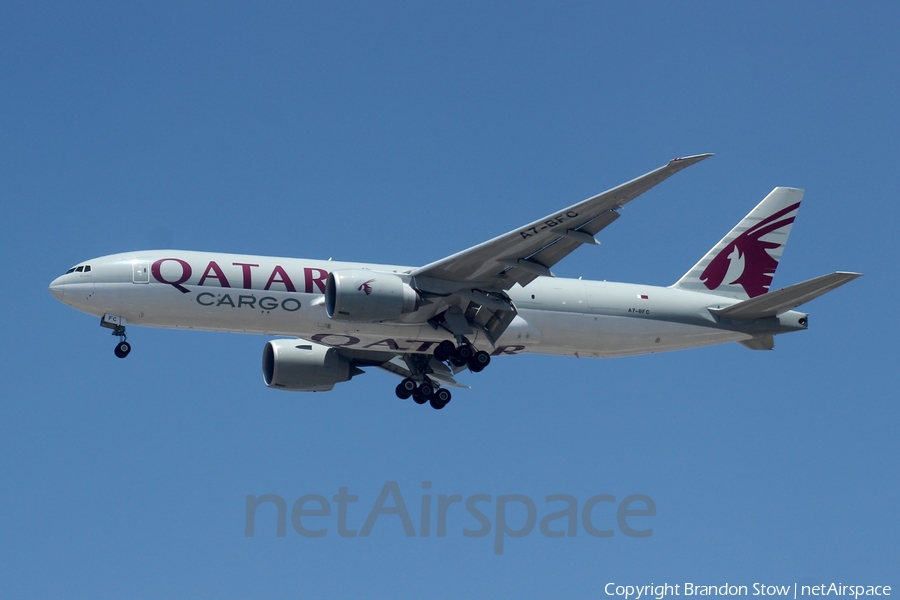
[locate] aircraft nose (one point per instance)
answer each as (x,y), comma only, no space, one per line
(58,289)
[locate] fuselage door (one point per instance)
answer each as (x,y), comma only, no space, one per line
(141,271)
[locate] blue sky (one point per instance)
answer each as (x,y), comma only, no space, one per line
(401,133)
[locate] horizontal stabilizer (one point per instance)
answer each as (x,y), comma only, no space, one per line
(785,299)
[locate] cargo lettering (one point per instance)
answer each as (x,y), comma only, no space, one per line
(266,303)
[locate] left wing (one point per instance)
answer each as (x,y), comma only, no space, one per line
(467,290)
(404,365)
(525,253)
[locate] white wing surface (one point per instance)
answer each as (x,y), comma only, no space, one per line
(529,251)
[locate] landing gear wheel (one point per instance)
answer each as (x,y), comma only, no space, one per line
(478,362)
(117,324)
(457,362)
(406,388)
(122,349)
(419,399)
(426,390)
(464,353)
(440,398)
(444,350)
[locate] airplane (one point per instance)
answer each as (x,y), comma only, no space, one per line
(427,324)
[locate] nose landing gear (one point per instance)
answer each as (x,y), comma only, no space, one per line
(122,349)
(117,324)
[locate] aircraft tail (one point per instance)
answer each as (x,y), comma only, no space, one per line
(781,301)
(743,263)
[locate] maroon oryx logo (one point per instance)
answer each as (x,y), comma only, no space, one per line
(366,286)
(746,260)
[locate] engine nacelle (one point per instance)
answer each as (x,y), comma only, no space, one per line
(300,366)
(361,296)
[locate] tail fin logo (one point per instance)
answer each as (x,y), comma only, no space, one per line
(366,286)
(746,260)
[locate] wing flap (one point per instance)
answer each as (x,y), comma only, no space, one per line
(561,247)
(766,342)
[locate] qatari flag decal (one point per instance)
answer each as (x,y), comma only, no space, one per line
(643,296)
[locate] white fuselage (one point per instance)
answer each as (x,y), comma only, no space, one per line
(285,297)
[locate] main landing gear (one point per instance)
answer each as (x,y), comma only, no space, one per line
(459,356)
(117,324)
(462,355)
(423,392)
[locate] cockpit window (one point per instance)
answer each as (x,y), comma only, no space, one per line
(79,269)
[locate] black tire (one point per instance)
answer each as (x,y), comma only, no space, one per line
(444,350)
(478,362)
(401,392)
(457,362)
(409,385)
(443,396)
(437,404)
(464,353)
(419,399)
(122,349)
(425,390)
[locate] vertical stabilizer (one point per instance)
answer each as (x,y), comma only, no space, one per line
(743,263)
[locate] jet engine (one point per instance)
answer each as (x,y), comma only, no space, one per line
(301,366)
(361,296)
